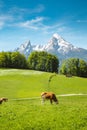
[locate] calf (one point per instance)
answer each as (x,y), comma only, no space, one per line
(3,99)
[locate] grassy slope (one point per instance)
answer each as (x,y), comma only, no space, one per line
(70,114)
(25,83)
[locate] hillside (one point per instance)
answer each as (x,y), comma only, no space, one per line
(28,83)
(24,110)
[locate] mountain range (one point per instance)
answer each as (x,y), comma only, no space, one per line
(57,46)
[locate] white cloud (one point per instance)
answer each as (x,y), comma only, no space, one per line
(32,24)
(39,8)
(15,14)
(38,23)
(36,20)
(22,11)
(81,21)
(6,18)
(1,24)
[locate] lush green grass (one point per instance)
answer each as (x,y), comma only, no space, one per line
(69,114)
(26,83)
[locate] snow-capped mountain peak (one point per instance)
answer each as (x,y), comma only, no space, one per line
(27,44)
(60,40)
(57,46)
(25,48)
(38,48)
(57,36)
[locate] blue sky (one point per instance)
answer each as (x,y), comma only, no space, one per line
(38,20)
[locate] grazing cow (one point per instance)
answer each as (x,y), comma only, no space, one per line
(50,96)
(3,99)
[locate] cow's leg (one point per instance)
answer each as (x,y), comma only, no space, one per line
(51,101)
(43,100)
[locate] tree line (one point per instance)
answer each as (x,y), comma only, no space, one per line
(74,66)
(12,60)
(37,61)
(43,61)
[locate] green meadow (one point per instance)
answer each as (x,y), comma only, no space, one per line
(24,110)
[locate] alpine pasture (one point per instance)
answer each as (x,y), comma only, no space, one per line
(24,110)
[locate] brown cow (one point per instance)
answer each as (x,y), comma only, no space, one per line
(3,99)
(49,95)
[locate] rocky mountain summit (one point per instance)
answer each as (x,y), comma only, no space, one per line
(57,46)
